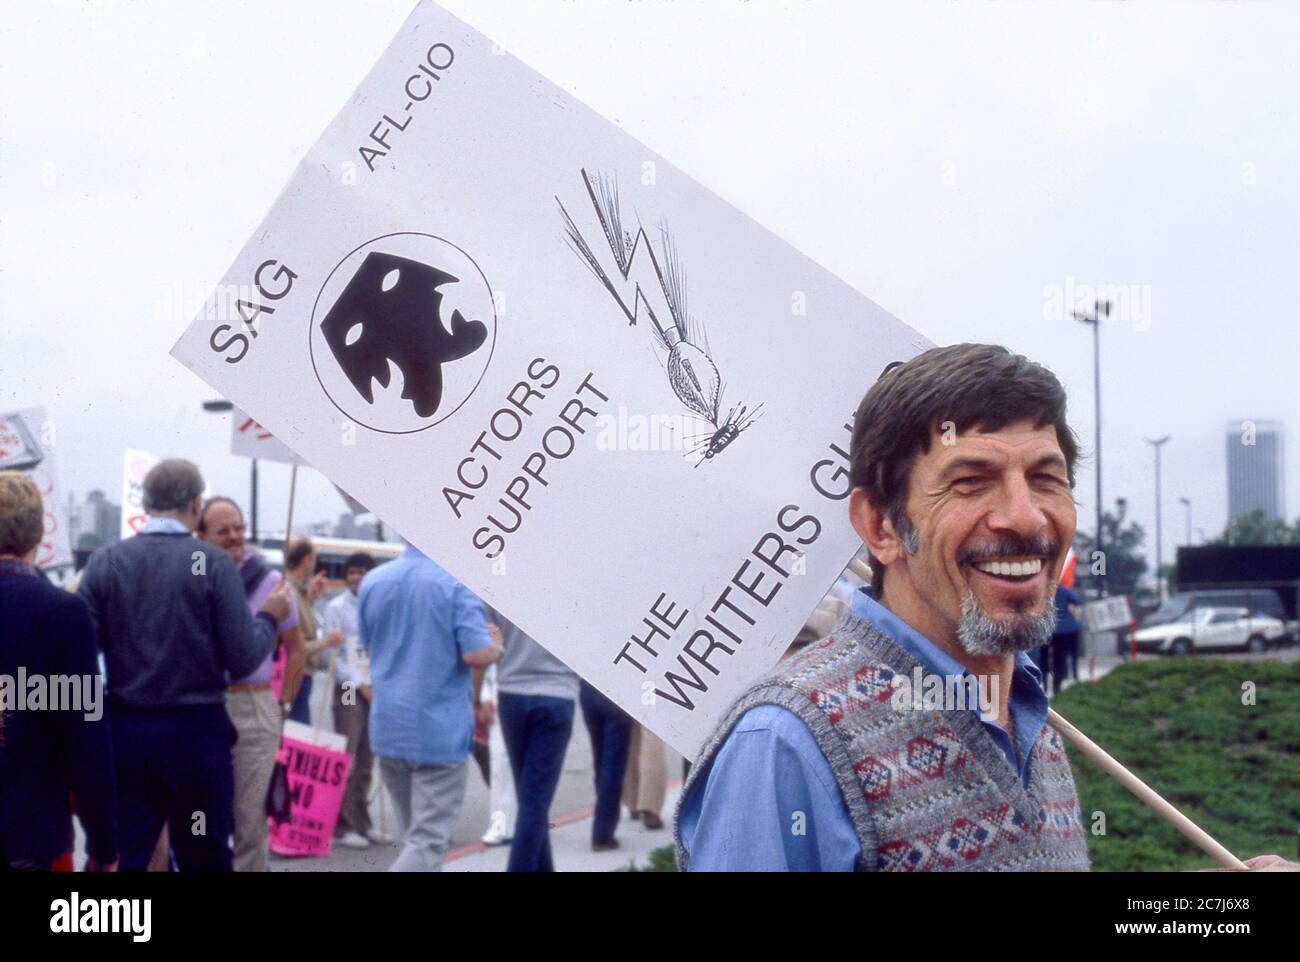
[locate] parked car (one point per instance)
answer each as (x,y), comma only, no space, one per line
(1260,601)
(1237,569)
(1204,629)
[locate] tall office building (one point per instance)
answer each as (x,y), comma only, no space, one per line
(94,522)
(1255,468)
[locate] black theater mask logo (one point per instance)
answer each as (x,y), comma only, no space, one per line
(391,311)
(402,332)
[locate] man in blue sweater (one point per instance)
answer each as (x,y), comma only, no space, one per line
(173,624)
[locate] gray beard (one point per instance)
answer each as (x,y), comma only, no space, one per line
(978,634)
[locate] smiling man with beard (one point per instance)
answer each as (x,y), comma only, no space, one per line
(963,470)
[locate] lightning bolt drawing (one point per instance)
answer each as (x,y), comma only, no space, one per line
(645,282)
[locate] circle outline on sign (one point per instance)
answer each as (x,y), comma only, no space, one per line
(311,325)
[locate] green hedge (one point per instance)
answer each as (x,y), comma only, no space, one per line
(1180,725)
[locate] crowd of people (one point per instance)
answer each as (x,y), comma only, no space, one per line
(203,650)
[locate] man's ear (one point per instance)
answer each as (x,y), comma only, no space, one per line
(876,531)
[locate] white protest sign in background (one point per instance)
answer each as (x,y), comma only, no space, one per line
(610,403)
(135,465)
(27,445)
(250,440)
(1105,614)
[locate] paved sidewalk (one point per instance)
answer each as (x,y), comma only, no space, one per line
(571,845)
(1094,667)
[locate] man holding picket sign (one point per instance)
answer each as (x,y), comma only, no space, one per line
(963,471)
(962,465)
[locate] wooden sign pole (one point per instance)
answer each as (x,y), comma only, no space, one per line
(288,524)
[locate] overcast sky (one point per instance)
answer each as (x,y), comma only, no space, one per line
(965,166)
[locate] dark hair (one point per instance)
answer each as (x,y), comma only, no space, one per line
(980,386)
(298,549)
(216,499)
(358,560)
(171,485)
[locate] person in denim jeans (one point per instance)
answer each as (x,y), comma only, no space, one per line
(536,693)
(610,729)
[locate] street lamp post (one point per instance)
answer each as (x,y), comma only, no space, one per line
(220,407)
(1187,503)
(1100,309)
(1157,443)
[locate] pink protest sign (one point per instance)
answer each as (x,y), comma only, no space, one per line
(318,773)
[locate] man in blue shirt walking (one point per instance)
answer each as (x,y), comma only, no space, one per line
(428,644)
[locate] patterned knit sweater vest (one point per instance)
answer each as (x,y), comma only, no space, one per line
(927,790)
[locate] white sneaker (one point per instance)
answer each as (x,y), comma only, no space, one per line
(378,837)
(354,840)
(492,837)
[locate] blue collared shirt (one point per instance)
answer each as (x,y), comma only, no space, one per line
(163,526)
(418,622)
(738,816)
